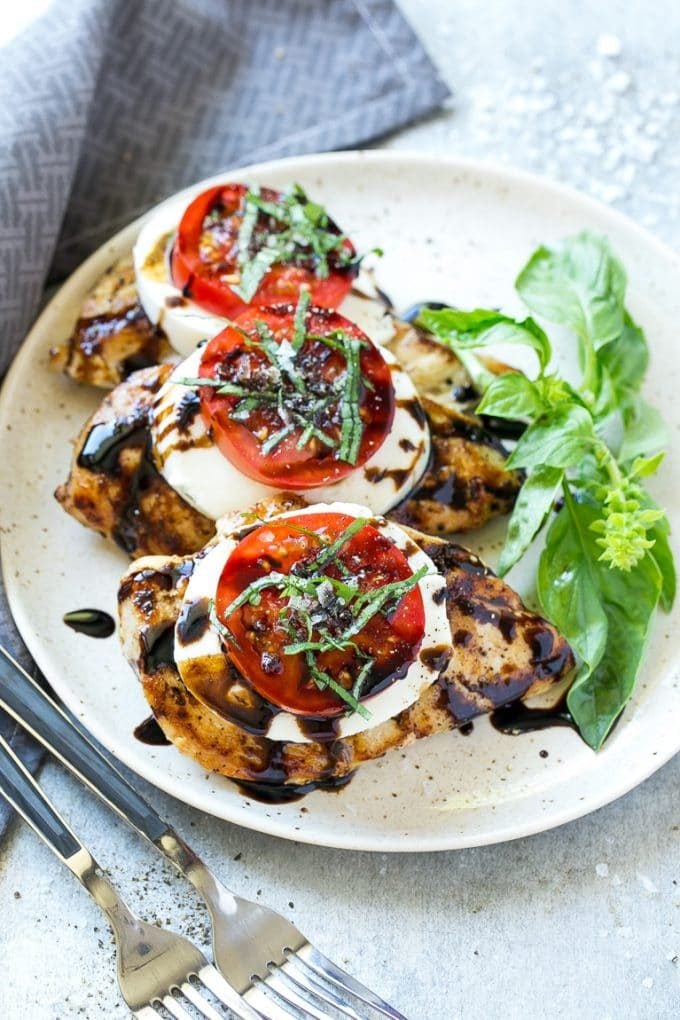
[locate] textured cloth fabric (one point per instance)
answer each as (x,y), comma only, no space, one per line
(107,106)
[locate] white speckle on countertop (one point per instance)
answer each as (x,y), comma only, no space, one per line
(647,884)
(647,982)
(602,870)
(624,931)
(609,45)
(619,82)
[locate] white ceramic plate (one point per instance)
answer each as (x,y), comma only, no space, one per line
(453,231)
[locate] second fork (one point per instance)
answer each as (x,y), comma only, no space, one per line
(254,947)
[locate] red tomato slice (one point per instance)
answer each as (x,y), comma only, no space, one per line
(236,356)
(204,259)
(263,631)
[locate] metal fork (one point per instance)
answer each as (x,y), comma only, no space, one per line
(155,967)
(264,957)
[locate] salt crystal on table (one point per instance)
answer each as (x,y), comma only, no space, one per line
(646,883)
(619,82)
(609,45)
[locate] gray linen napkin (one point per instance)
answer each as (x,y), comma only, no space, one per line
(107,106)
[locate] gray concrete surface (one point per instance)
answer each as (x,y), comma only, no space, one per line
(582,922)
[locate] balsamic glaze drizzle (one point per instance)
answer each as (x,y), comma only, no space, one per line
(100,454)
(517,718)
(282,793)
(105,441)
(149,732)
(93,622)
(159,649)
(411,313)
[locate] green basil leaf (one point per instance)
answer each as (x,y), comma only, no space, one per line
(554,392)
(580,284)
(662,555)
(567,583)
(604,614)
(511,395)
(476,369)
(626,359)
(483,327)
(560,440)
(315,213)
(644,467)
(532,506)
(254,271)
(629,599)
(622,365)
(644,431)
(607,402)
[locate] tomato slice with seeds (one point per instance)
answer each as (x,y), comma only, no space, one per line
(205,257)
(261,631)
(270,402)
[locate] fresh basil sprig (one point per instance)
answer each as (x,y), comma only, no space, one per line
(607,563)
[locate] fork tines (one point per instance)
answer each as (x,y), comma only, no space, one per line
(191,993)
(309,985)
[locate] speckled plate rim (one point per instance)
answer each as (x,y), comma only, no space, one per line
(527,822)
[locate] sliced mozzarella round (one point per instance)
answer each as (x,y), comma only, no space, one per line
(194,466)
(186,324)
(201,659)
(368,308)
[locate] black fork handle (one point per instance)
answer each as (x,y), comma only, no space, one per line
(20,789)
(68,741)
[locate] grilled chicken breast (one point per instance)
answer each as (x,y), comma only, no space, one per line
(115,488)
(435,370)
(466,483)
(502,652)
(112,336)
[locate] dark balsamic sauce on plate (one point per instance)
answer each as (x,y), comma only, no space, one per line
(149,732)
(284,793)
(517,718)
(93,622)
